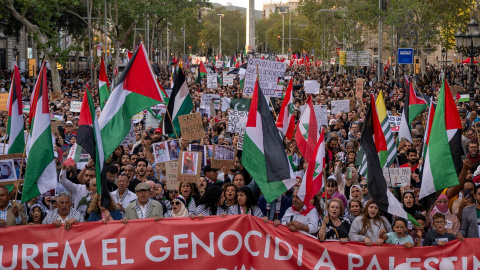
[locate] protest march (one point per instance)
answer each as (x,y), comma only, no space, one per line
(241,161)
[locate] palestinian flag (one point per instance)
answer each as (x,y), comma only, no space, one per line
(90,139)
(103,85)
(202,72)
(412,107)
(15,131)
(233,61)
(307,131)
(180,104)
(443,158)
(41,173)
(286,119)
(387,132)
(263,153)
(313,180)
(136,90)
(74,155)
(34,96)
(373,143)
(428,128)
(129,55)
(463,97)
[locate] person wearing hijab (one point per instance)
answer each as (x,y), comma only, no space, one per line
(356,193)
(452,224)
(178,208)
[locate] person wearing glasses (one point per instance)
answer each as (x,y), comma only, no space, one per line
(365,193)
(439,236)
(122,196)
(143,207)
(178,208)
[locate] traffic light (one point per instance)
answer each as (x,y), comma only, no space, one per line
(417,65)
(278,38)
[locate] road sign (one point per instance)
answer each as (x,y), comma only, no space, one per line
(405,56)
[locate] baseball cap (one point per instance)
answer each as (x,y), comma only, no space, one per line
(69,123)
(159,130)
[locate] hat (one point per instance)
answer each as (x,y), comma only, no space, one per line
(180,198)
(159,130)
(208,168)
(69,123)
(142,186)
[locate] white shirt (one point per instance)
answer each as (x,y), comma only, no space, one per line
(128,198)
(311,219)
(78,191)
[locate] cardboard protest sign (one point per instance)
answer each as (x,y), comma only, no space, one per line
(397,177)
(224,156)
(171,169)
(353,103)
(268,74)
(191,126)
(189,166)
(56,95)
(212,80)
(54,125)
(339,106)
(237,121)
(160,152)
(359,88)
(75,106)
(202,149)
(321,115)
(3,101)
(311,86)
(207,99)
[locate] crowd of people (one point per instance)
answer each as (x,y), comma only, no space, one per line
(343,209)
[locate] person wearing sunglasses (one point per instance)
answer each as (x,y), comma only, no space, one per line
(178,208)
(366,194)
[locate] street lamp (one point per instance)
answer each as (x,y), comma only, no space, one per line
(468,44)
(283,32)
(220,49)
(444,56)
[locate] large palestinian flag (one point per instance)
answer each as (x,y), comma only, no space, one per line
(307,131)
(443,158)
(202,72)
(136,90)
(373,143)
(180,104)
(412,107)
(263,154)
(41,173)
(15,131)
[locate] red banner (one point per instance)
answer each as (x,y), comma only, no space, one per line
(234,242)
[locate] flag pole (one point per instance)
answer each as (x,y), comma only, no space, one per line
(173,127)
(21,168)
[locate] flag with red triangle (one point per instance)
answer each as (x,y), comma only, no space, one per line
(286,119)
(307,131)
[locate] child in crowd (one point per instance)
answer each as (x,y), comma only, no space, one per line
(439,236)
(399,235)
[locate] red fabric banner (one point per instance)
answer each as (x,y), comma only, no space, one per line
(234,242)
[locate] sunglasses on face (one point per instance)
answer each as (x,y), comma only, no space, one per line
(176,203)
(363,186)
(173,191)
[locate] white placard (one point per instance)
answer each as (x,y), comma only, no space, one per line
(137,117)
(268,74)
(219,64)
(332,61)
(237,121)
(395,121)
(75,106)
(160,152)
(312,86)
(206,99)
(321,115)
(360,58)
(212,80)
(397,176)
(339,106)
(228,79)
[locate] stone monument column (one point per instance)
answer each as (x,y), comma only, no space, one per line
(250,42)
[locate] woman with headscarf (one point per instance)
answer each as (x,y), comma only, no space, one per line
(452,224)
(36,215)
(356,193)
(178,208)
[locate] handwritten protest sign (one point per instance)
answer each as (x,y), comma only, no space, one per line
(219,64)
(268,74)
(395,121)
(3,101)
(339,106)
(189,168)
(191,126)
(171,169)
(359,88)
(75,106)
(240,140)
(224,156)
(211,80)
(237,120)
(57,94)
(137,117)
(228,79)
(207,99)
(321,115)
(397,176)
(312,86)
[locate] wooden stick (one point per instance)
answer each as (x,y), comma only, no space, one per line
(21,168)
(173,127)
(6,133)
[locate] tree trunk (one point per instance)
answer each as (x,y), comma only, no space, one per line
(77,61)
(116,59)
(423,61)
(54,71)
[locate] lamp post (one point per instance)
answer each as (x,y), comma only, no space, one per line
(283,32)
(468,44)
(220,28)
(444,57)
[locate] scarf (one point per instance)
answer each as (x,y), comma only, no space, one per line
(139,211)
(117,197)
(182,213)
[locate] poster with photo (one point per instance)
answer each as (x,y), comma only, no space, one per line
(173,149)
(202,149)
(7,171)
(160,152)
(224,156)
(189,166)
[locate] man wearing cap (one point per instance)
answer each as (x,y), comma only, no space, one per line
(69,131)
(143,207)
(210,175)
